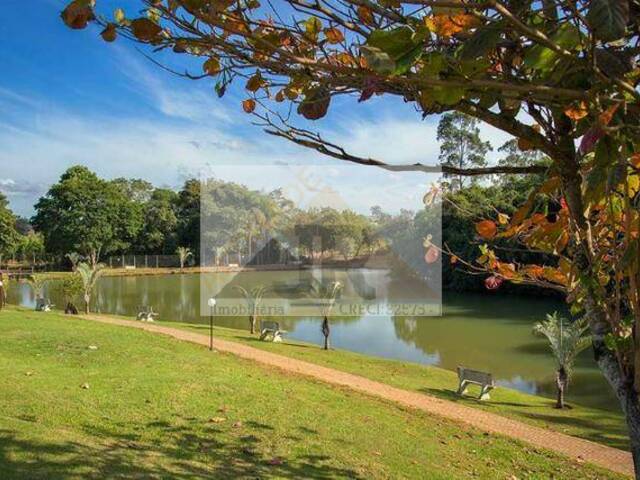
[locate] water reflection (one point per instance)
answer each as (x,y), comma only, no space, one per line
(482,332)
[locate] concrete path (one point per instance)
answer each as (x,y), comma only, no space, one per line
(572,447)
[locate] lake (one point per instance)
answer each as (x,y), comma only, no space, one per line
(484,332)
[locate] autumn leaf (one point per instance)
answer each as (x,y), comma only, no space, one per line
(453,260)
(525,144)
(449,25)
(145,30)
(487,229)
(493,282)
(255,82)
(577,112)
(635,160)
(503,218)
(119,16)
(249,105)
(606,116)
(109,34)
(432,255)
(315,104)
(77,14)
(365,15)
(333,35)
(211,66)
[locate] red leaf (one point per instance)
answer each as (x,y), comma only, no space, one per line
(432,255)
(590,138)
(493,282)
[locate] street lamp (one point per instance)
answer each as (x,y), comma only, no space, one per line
(212,308)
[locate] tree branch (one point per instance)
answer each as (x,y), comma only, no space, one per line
(315,142)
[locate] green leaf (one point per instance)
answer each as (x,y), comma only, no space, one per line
(312,26)
(448,95)
(542,58)
(630,257)
(434,65)
(378,60)
(396,43)
(608,18)
(404,63)
(596,181)
(483,41)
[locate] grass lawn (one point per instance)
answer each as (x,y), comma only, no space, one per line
(601,426)
(156,407)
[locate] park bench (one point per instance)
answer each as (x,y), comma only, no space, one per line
(484,380)
(271,329)
(43,305)
(146,314)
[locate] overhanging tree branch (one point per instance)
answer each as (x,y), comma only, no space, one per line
(315,142)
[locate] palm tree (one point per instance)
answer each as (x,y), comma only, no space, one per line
(37,282)
(327,295)
(253,298)
(183,254)
(566,340)
(74,258)
(89,275)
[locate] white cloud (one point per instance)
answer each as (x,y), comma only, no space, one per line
(189,100)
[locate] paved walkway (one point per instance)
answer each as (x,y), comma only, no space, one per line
(573,447)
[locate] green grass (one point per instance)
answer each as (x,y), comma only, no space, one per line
(603,426)
(160,408)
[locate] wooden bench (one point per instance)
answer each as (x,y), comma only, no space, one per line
(271,329)
(146,314)
(467,376)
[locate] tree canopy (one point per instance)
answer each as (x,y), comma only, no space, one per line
(86,214)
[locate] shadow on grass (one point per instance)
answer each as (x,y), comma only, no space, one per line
(613,434)
(184,449)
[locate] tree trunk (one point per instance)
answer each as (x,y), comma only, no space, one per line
(86,307)
(326,331)
(627,396)
(252,324)
(561,384)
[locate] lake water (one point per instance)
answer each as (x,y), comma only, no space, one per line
(485,332)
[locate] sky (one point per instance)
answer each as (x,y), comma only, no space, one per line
(68,98)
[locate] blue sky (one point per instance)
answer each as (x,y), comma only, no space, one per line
(68,98)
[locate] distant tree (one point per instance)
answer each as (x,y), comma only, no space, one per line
(188,214)
(159,232)
(9,236)
(566,340)
(513,155)
(137,190)
(23,225)
(31,246)
(86,214)
(460,143)
(184,253)
(89,274)
(253,298)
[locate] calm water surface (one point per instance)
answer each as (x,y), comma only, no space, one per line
(485,332)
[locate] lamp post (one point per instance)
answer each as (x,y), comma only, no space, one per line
(212,307)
